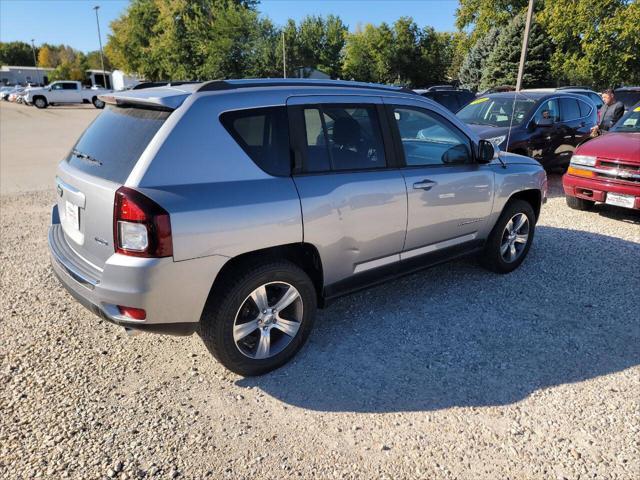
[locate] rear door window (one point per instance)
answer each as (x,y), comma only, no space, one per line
(342,137)
(263,134)
(585,108)
(69,86)
(113,143)
(569,109)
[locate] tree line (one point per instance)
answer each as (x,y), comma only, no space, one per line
(67,62)
(592,42)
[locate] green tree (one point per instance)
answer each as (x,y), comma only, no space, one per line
(129,44)
(502,65)
(403,54)
(597,41)
(359,60)
(192,39)
(16,53)
(483,15)
(470,75)
(95,63)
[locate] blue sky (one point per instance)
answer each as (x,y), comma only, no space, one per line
(73,22)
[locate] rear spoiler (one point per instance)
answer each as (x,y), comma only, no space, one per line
(166,98)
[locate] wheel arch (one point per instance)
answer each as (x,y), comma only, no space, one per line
(304,255)
(531,196)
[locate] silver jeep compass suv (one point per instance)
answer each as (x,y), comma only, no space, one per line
(235,208)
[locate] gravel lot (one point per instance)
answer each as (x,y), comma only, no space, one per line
(453,373)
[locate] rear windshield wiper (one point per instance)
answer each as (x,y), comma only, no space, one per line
(84,156)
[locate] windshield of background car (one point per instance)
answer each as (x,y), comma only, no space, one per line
(629,123)
(496,111)
(628,97)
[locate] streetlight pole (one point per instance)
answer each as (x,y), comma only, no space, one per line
(284,58)
(35,61)
(525,42)
(104,73)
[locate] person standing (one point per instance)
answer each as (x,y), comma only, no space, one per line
(610,112)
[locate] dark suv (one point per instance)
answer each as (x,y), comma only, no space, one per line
(545,126)
(451,98)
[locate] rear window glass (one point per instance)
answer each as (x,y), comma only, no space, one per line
(263,133)
(113,143)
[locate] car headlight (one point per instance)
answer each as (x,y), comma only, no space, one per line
(585,160)
(497,140)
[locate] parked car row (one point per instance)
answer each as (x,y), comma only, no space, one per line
(57,93)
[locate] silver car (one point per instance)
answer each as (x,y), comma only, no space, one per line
(235,208)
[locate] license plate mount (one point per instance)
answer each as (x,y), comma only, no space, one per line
(620,200)
(72,215)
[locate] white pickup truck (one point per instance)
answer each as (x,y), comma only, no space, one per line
(64,92)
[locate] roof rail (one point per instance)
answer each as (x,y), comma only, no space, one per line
(577,87)
(163,83)
(220,85)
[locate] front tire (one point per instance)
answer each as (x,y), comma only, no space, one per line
(99,104)
(40,102)
(510,239)
(579,203)
(260,317)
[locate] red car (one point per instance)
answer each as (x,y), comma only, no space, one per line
(607,168)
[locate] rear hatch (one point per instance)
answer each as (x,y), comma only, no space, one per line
(99,164)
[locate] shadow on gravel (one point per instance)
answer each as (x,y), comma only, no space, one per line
(456,335)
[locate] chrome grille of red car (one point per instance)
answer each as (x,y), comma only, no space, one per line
(617,170)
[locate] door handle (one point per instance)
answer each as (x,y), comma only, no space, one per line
(424,185)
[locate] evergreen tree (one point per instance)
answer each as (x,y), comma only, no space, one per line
(470,75)
(501,67)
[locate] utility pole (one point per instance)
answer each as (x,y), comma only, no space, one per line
(284,58)
(525,42)
(104,73)
(35,61)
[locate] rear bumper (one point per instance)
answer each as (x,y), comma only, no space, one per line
(596,190)
(173,294)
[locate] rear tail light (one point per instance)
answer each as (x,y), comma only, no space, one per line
(141,227)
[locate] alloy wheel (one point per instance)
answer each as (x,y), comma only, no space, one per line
(514,238)
(268,320)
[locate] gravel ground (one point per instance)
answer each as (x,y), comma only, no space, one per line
(452,373)
(449,373)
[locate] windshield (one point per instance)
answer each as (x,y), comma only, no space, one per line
(629,123)
(496,111)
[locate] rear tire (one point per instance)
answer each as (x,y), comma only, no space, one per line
(40,102)
(99,104)
(510,239)
(579,203)
(233,306)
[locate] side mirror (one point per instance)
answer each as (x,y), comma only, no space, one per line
(544,122)
(486,151)
(49,88)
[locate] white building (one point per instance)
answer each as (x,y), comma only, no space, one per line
(14,75)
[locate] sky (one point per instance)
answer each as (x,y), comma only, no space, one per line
(73,22)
